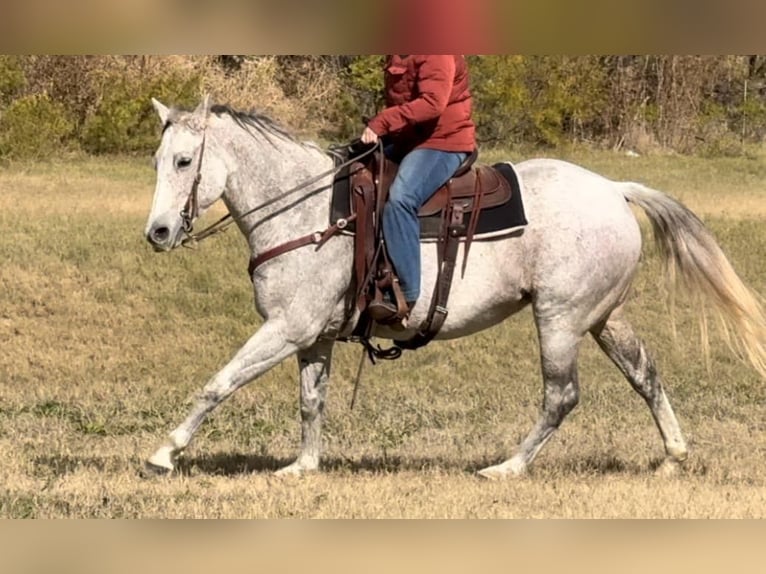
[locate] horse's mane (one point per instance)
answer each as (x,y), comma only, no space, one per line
(254,123)
(248,121)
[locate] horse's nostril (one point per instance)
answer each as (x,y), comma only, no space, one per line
(159,235)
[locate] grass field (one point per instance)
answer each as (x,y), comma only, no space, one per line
(103,343)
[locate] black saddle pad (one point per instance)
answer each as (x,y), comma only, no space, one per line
(509,215)
(493,220)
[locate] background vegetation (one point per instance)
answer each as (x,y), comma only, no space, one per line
(711,105)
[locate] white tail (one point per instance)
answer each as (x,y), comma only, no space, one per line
(690,251)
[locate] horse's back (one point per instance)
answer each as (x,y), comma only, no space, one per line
(562,198)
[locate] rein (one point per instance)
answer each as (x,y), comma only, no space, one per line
(191,209)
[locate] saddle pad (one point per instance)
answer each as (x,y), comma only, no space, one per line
(492,220)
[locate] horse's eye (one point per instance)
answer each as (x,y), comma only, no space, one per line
(183,162)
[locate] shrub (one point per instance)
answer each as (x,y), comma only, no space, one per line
(500,98)
(250,85)
(34,127)
(67,80)
(687,103)
(537,100)
(124,120)
(361,96)
(11,78)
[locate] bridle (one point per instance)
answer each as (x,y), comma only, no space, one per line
(190,211)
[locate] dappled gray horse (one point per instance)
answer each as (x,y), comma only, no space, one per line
(573,264)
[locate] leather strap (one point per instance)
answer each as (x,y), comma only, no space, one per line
(190,209)
(317,238)
(437,312)
(364,244)
(473,222)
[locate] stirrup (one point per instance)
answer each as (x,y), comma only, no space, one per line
(383,312)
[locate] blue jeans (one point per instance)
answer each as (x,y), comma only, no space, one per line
(421,173)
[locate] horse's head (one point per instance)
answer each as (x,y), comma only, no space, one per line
(190,175)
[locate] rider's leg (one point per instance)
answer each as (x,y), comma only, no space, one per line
(420,174)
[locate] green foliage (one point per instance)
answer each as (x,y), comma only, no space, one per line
(712,132)
(362,96)
(537,100)
(749,119)
(11,78)
(700,104)
(571,93)
(124,120)
(34,127)
(364,73)
(499,96)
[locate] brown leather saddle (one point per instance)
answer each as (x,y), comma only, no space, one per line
(458,205)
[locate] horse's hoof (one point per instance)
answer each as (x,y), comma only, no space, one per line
(512,468)
(490,474)
(496,472)
(668,469)
(151,470)
(292,471)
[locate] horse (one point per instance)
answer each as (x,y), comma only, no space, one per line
(573,263)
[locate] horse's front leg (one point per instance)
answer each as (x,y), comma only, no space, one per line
(268,347)
(314,365)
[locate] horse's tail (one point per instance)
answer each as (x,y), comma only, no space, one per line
(690,251)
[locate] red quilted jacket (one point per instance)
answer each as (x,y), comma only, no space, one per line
(428,104)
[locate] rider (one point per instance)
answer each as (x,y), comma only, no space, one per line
(428,127)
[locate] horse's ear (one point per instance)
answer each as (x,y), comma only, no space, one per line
(162,110)
(204,107)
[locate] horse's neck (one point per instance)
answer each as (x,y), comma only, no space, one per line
(263,172)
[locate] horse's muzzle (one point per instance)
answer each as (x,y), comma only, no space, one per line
(160,237)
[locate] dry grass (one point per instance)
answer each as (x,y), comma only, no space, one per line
(104,342)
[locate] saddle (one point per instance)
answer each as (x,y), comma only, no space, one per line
(454,208)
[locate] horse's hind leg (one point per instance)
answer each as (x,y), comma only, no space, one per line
(617,339)
(558,351)
(314,364)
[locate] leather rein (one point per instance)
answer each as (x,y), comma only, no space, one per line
(190,212)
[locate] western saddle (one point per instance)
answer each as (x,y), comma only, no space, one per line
(458,204)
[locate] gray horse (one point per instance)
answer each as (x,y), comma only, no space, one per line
(574,263)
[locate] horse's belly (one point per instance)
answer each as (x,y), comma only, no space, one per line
(493,287)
